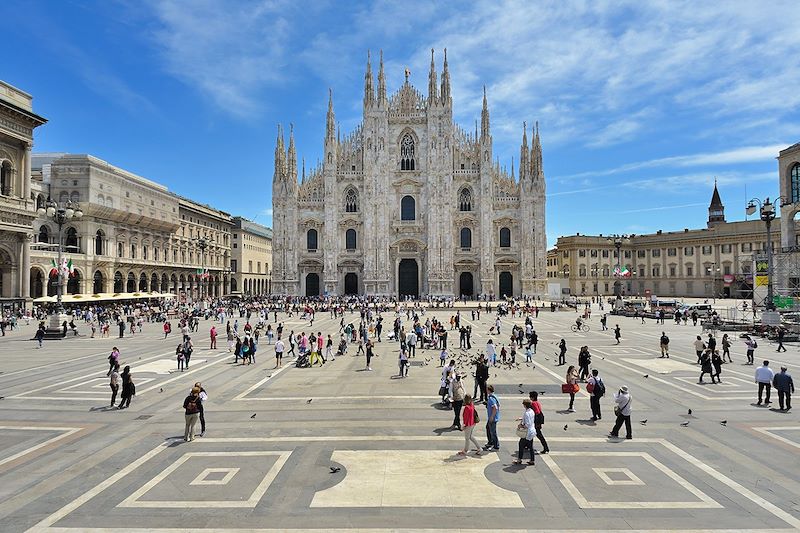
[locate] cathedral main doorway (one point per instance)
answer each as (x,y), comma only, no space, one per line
(506,284)
(465,287)
(408,278)
(350,283)
(312,284)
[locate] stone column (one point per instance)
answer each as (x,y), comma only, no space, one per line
(26,172)
(25,255)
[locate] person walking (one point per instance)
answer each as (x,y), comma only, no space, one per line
(526,424)
(781,335)
(491,352)
(572,381)
(726,348)
(492,417)
(188,348)
(470,419)
(622,399)
(764,376)
(785,387)
(705,367)
(128,388)
(538,419)
(584,360)
(213,336)
(113,360)
(115,384)
(280,347)
(203,397)
(369,354)
(596,389)
(329,349)
(717,362)
(181,358)
(699,347)
(562,352)
(458,400)
(39,335)
(191,406)
(664,345)
(403,362)
(481,377)
(617,333)
(751,345)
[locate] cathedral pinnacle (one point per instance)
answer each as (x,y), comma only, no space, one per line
(485,117)
(524,161)
(331,119)
(291,157)
(431,82)
(381,83)
(444,95)
(369,92)
(280,155)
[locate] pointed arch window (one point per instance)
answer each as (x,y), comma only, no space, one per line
(795,182)
(72,240)
(44,234)
(311,240)
(466,238)
(351,201)
(465,200)
(407,153)
(408,210)
(505,238)
(99,239)
(350,239)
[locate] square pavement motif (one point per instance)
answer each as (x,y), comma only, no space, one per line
(184,484)
(786,434)
(17,442)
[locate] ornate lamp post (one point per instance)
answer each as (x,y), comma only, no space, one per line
(226,273)
(60,215)
(202,243)
(596,275)
(767,213)
(618,241)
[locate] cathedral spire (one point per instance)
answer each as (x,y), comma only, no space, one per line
(291,157)
(536,155)
(485,117)
(280,164)
(381,83)
(303,178)
(524,154)
(432,82)
(369,92)
(444,95)
(330,129)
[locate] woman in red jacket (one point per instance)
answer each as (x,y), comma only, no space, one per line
(470,419)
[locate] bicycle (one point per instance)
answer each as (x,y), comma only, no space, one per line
(583,327)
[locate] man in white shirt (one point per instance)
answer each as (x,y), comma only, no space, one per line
(411,343)
(764,375)
(622,399)
(279,349)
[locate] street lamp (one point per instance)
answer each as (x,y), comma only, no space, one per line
(618,241)
(202,242)
(712,271)
(60,215)
(596,275)
(767,213)
(226,272)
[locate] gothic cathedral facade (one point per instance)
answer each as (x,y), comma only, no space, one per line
(409,204)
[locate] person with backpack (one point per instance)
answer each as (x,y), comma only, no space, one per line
(191,406)
(664,345)
(203,397)
(538,420)
(751,349)
(596,389)
(470,418)
(623,411)
(113,360)
(492,418)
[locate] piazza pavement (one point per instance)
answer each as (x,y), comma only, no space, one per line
(70,464)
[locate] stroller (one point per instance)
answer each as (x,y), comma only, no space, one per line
(302,361)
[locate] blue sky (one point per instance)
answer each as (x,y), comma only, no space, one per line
(640,104)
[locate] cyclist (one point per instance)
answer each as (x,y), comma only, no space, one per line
(579,323)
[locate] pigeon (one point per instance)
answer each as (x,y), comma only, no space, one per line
(521,391)
(646,376)
(684,424)
(690,411)
(520,385)
(310,400)
(161,389)
(643,422)
(253,415)
(724,422)
(335,469)
(565,427)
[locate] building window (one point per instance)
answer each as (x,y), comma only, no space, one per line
(726,270)
(144,253)
(689,270)
(350,239)
(747,246)
(707,250)
(582,271)
(407,153)
(133,251)
(641,271)
(605,254)
(258,267)
(689,250)
(408,208)
(99,237)
(655,253)
(44,235)
(795,179)
(726,248)
(505,238)
(640,253)
(581,253)
(249,267)
(311,240)
(656,271)
(466,238)
(351,201)
(120,250)
(235,245)
(465,200)
(627,254)
(155,254)
(233,266)
(671,271)
(593,253)
(672,252)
